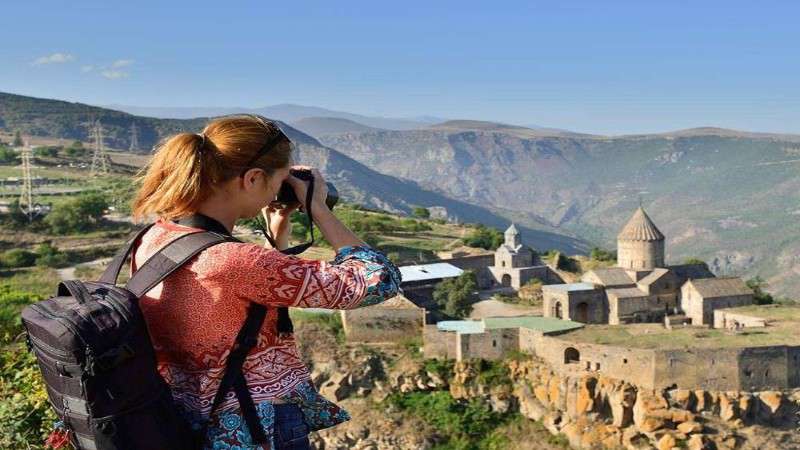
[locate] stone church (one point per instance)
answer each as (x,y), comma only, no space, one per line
(516,264)
(642,288)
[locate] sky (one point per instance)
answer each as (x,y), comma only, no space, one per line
(609,67)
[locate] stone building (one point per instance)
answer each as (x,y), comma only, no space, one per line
(419,281)
(641,288)
(516,264)
(700,298)
(392,321)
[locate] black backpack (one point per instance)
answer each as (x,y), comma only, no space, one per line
(98,363)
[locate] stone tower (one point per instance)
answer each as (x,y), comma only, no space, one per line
(640,244)
(512,237)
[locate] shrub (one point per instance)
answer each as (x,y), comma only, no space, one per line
(49,256)
(599,254)
(45,152)
(694,261)
(421,212)
(484,237)
(77,215)
(7,155)
(25,412)
(17,258)
(758,284)
(11,303)
(456,295)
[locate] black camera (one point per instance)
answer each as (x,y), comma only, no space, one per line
(287,197)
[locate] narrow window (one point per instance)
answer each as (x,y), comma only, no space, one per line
(494,343)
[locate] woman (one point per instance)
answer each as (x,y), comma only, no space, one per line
(232,170)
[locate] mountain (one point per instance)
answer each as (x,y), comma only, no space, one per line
(729,197)
(516,130)
(285,112)
(356,181)
(320,126)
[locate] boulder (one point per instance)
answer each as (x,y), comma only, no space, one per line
(650,411)
(699,442)
(667,442)
(681,399)
(728,408)
(771,403)
(690,427)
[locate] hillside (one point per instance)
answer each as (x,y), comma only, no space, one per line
(356,181)
(731,198)
(320,126)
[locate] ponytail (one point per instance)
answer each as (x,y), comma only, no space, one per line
(185,167)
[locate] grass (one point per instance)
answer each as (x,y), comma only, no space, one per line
(783,331)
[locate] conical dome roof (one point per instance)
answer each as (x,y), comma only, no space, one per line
(640,228)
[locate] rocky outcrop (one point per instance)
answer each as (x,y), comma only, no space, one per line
(596,412)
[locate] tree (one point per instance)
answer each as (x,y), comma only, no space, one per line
(421,212)
(18,139)
(45,152)
(758,284)
(456,295)
(694,260)
(7,155)
(77,215)
(484,237)
(17,258)
(49,256)
(600,254)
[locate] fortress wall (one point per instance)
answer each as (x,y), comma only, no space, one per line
(471,262)
(438,344)
(712,369)
(793,361)
(633,365)
(378,324)
(723,319)
(712,304)
(763,368)
(492,344)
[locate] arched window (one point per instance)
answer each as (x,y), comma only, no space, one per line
(571,355)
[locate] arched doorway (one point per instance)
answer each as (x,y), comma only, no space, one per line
(582,312)
(571,355)
(506,280)
(558,312)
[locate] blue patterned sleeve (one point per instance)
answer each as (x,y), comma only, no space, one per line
(381,275)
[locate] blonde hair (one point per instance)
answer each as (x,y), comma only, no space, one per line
(186,166)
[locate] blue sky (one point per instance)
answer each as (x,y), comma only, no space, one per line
(592,66)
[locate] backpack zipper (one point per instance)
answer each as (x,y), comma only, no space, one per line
(38,343)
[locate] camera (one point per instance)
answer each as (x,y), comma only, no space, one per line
(287,198)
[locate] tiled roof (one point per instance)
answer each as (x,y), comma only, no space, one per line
(543,324)
(640,228)
(720,287)
(691,271)
(611,276)
(626,292)
(653,276)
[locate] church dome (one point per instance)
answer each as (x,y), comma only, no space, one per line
(640,228)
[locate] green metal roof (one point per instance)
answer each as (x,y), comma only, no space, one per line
(543,324)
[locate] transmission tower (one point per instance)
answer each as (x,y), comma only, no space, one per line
(134,138)
(26,204)
(100,161)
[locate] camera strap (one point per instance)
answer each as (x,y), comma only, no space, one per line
(297,249)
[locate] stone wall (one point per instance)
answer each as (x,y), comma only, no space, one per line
(726,319)
(491,345)
(647,308)
(477,263)
(645,255)
(439,344)
(376,324)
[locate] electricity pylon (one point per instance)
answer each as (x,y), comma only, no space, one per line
(26,204)
(134,138)
(100,161)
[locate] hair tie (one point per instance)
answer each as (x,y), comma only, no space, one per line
(203,140)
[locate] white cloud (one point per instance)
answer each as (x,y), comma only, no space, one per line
(87,68)
(55,58)
(121,63)
(113,74)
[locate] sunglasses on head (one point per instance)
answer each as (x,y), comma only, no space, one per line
(271,143)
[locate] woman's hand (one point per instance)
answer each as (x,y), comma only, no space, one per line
(301,187)
(279,222)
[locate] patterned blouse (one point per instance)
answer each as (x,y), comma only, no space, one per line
(205,304)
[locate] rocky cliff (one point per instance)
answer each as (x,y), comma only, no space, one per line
(536,407)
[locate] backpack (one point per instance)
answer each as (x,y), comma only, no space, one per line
(98,363)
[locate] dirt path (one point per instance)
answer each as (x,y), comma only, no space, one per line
(68,273)
(496,308)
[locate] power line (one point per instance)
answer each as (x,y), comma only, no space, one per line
(26,204)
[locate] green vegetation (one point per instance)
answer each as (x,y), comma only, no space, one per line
(77,215)
(492,373)
(332,322)
(421,212)
(599,254)
(46,151)
(463,425)
(694,260)
(758,284)
(484,237)
(25,412)
(17,258)
(17,139)
(456,295)
(8,155)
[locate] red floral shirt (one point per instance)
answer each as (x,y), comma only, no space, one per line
(194,316)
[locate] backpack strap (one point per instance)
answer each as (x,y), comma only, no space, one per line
(234,376)
(111,273)
(170,258)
